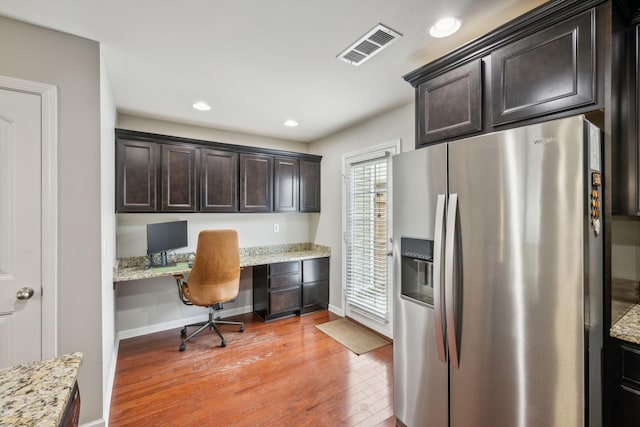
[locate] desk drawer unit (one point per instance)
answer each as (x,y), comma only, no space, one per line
(276,289)
(292,287)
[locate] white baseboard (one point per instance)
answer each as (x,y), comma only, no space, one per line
(178,323)
(336,310)
(94,423)
(109,388)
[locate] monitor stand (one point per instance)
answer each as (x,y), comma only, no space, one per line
(163,260)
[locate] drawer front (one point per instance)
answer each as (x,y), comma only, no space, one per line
(315,269)
(631,364)
(284,300)
(284,281)
(630,407)
(281,268)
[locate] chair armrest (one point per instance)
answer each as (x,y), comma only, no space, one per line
(179,283)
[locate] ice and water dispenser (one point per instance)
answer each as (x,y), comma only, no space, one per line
(417,269)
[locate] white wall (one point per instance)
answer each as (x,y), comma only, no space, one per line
(152,305)
(72,64)
(253,229)
(396,124)
(108,232)
(144,124)
(625,248)
(144,306)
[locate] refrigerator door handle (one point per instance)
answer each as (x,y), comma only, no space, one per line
(437,277)
(448,280)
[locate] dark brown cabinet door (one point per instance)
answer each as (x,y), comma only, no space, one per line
(315,269)
(315,284)
(309,186)
(136,168)
(256,183)
(630,407)
(625,362)
(179,174)
(218,181)
(450,105)
(285,185)
(549,71)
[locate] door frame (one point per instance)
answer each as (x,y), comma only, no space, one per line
(49,216)
(392,147)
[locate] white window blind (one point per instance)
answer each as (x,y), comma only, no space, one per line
(367,236)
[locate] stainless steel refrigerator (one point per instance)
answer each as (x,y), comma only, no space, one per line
(498,279)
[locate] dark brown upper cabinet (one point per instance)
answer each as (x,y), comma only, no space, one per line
(179,174)
(162,173)
(136,166)
(625,155)
(285,189)
(218,181)
(548,63)
(450,105)
(309,186)
(549,71)
(256,183)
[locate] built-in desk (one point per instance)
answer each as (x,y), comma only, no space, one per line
(136,268)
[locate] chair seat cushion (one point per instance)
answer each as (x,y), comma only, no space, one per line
(210,295)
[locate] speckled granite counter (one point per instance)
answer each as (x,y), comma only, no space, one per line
(135,268)
(36,393)
(628,327)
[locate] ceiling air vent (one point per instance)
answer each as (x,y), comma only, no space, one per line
(369,44)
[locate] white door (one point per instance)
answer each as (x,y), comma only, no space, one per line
(20,228)
(367,264)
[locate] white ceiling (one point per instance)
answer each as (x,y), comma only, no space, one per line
(260,62)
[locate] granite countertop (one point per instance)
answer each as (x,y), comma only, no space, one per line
(36,393)
(136,268)
(628,327)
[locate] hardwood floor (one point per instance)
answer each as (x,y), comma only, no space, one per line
(283,373)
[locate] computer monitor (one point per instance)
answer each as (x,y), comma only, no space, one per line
(164,237)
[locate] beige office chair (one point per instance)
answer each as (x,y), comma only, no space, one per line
(213,280)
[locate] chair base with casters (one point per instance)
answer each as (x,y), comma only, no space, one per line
(211,324)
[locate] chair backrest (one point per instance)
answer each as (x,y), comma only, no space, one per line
(215,275)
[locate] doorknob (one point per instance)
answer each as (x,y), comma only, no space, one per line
(24,293)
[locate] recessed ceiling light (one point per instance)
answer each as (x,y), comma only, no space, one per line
(201,106)
(445,27)
(291,123)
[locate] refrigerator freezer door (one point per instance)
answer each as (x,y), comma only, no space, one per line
(521,207)
(420,378)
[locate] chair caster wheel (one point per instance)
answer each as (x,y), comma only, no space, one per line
(182,347)
(242,328)
(223,344)
(183,332)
